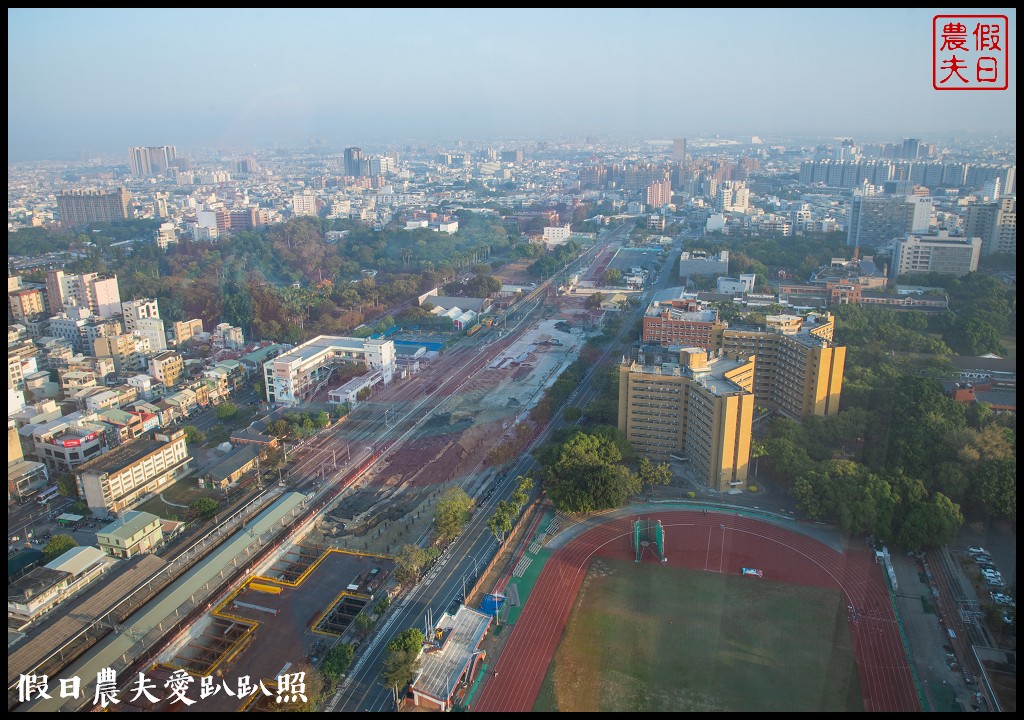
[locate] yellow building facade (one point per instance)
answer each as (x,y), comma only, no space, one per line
(699,408)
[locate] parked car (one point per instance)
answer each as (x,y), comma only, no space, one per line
(983,558)
(976,550)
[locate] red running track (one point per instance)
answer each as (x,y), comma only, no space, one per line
(715,543)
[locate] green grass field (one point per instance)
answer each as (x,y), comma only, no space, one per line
(644,637)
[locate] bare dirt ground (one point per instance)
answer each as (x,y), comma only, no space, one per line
(514,273)
(397,502)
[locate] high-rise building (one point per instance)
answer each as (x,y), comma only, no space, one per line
(679,149)
(659,194)
(699,407)
(353,159)
(304,204)
(102,294)
(798,370)
(996,225)
(935,253)
(81,207)
(911,149)
(27,303)
(98,293)
(150,161)
(187,329)
(681,323)
(879,219)
(118,479)
(143,317)
(512,156)
(166,235)
(166,367)
(732,196)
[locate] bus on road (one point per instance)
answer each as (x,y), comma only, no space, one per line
(47,495)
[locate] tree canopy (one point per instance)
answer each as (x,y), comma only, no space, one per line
(584,474)
(451,513)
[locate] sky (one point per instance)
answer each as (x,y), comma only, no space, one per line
(104,80)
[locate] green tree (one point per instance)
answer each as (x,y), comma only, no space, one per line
(399,668)
(500,523)
(933,524)
(66,486)
(193,435)
(995,484)
(204,507)
(572,414)
(611,276)
(973,336)
(452,513)
(593,301)
(650,474)
(58,545)
(410,562)
(337,661)
(226,411)
(587,476)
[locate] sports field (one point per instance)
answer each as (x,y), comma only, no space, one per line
(656,638)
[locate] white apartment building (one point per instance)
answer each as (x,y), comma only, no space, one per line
(292,377)
(557,235)
(935,253)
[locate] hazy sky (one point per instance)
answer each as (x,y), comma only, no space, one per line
(109,79)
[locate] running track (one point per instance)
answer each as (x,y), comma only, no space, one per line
(695,540)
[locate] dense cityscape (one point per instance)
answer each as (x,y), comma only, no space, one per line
(553,422)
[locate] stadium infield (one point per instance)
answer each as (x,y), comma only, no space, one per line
(645,637)
(721,545)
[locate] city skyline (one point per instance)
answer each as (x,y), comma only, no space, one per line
(223,78)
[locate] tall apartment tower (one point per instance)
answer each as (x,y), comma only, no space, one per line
(143,317)
(996,225)
(353,161)
(150,161)
(874,220)
(679,150)
(81,207)
(97,292)
(701,407)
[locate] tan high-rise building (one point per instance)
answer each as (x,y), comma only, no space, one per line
(166,367)
(700,408)
(799,370)
(185,330)
(81,207)
(27,304)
